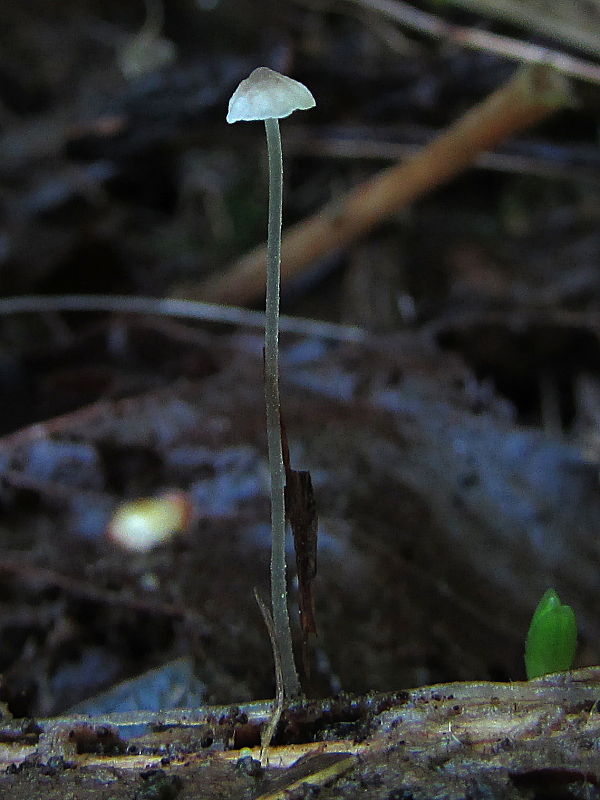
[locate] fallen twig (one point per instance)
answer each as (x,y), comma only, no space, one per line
(532,95)
(524,52)
(189,309)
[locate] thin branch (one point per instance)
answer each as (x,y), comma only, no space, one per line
(525,53)
(566,163)
(517,12)
(190,309)
(41,576)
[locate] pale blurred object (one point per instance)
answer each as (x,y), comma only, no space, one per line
(141,525)
(147,51)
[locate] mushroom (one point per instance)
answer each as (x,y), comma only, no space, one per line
(269,96)
(266,94)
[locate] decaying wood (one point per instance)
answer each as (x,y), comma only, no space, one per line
(457,739)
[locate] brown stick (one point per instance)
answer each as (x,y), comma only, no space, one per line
(531,95)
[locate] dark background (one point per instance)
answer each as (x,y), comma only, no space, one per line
(455,457)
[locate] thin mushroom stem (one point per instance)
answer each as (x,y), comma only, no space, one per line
(281,620)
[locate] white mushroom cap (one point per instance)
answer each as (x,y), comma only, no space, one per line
(266,94)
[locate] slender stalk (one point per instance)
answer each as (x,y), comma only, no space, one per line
(281,619)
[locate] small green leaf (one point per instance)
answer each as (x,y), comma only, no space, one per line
(552,637)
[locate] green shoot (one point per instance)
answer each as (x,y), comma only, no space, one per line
(552,638)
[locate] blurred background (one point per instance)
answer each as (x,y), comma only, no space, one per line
(454,451)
